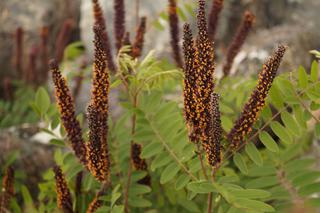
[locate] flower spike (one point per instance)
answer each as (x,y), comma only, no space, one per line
(213,19)
(137,45)
(67,112)
(174,31)
(100,21)
(64,198)
(238,41)
(256,102)
(119,22)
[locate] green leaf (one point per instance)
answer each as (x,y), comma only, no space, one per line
(138,189)
(26,195)
(265,170)
(117,209)
(75,169)
(268,142)
(151,150)
(182,181)
(314,202)
(262,182)
(226,123)
(290,123)
(138,175)
(139,202)
(299,164)
(253,205)
(225,109)
(310,189)
(27,199)
(103,209)
(161,160)
(314,71)
(306,178)
(254,154)
(240,163)
(303,77)
(201,187)
(57,142)
(73,50)
(250,193)
(189,205)
(276,97)
(115,84)
(281,132)
(169,172)
(42,100)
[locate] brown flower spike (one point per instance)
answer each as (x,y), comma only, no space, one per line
(119,22)
(199,87)
(139,163)
(63,39)
(7,191)
(67,112)
(94,205)
(256,102)
(213,19)
(174,31)
(100,82)
(214,132)
(189,82)
(97,147)
(238,41)
(18,61)
(100,21)
(44,54)
(64,198)
(137,45)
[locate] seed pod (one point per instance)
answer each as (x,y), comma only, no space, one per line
(256,102)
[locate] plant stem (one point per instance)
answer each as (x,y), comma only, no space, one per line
(199,153)
(133,130)
(209,202)
(297,200)
(175,157)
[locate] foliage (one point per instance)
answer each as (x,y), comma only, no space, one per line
(271,173)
